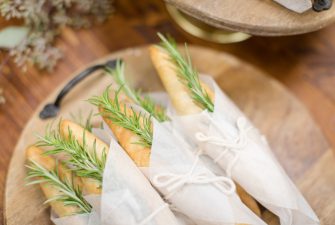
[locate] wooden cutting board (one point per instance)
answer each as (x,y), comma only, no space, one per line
(256,17)
(296,139)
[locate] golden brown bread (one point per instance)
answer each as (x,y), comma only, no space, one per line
(36,154)
(90,186)
(248,200)
(179,94)
(182,101)
(127,139)
(78,132)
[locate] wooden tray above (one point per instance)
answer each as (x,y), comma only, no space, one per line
(296,140)
(256,17)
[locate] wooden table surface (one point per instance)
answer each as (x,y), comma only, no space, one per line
(305,64)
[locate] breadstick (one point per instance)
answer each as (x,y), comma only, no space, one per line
(67,127)
(127,139)
(36,154)
(78,132)
(179,94)
(182,101)
(248,200)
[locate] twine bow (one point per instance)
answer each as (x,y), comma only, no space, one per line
(173,182)
(233,145)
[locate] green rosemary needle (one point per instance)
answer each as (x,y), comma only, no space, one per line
(83,162)
(138,123)
(70,194)
(145,102)
(186,73)
(85,123)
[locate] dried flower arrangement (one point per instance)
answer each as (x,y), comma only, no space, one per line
(32,43)
(42,21)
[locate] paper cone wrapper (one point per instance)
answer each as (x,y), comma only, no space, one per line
(127,196)
(238,148)
(204,202)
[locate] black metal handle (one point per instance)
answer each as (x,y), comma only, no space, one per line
(51,110)
(320,5)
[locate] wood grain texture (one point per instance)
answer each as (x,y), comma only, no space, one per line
(305,64)
(296,140)
(256,17)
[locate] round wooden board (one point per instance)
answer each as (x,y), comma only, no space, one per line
(267,18)
(296,140)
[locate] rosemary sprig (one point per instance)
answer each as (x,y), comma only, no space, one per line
(138,123)
(119,76)
(145,102)
(85,123)
(70,194)
(83,162)
(154,109)
(187,73)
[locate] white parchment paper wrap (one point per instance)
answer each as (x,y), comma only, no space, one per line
(127,196)
(106,134)
(80,219)
(237,147)
(92,218)
(189,186)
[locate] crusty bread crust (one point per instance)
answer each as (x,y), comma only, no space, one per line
(90,186)
(129,142)
(179,94)
(36,154)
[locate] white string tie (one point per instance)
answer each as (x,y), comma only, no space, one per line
(232,145)
(173,182)
(153,214)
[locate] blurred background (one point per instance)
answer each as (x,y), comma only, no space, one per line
(44,42)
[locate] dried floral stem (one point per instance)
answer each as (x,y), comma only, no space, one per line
(44,18)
